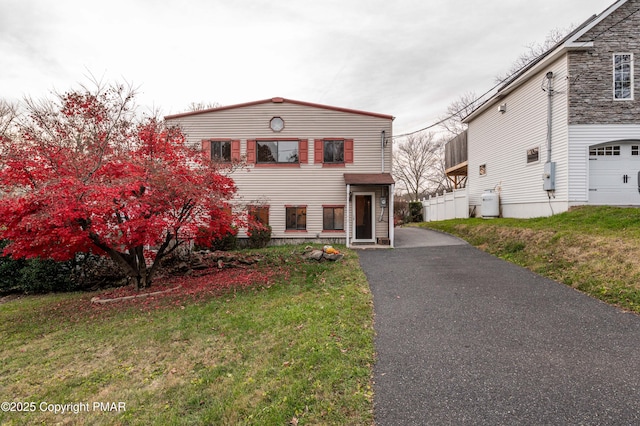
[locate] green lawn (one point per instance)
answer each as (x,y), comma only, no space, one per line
(593,249)
(297,349)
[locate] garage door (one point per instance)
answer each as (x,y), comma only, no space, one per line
(613,173)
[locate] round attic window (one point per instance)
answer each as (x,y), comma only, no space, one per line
(276,124)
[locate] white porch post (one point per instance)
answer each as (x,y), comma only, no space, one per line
(391,215)
(347,217)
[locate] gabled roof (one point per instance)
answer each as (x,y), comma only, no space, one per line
(279,101)
(569,42)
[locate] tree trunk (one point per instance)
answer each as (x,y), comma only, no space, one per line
(133,263)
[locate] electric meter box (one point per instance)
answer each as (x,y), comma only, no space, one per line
(549,177)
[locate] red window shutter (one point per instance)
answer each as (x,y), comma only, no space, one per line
(348,150)
(251,151)
(318,151)
(235,150)
(304,151)
(206,148)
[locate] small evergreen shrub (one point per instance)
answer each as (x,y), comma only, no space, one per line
(415,211)
(9,272)
(43,276)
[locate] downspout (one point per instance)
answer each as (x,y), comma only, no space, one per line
(348,216)
(391,215)
(382,145)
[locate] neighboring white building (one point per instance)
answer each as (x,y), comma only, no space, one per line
(312,172)
(565,131)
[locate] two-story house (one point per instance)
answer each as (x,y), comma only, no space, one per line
(564,131)
(311,172)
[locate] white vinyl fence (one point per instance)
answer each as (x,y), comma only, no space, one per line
(450,205)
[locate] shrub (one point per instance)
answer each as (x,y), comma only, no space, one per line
(35,275)
(259,235)
(415,211)
(205,240)
(42,276)
(9,272)
(227,243)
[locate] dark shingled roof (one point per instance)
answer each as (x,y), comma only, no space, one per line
(368,179)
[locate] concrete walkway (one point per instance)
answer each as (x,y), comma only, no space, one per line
(463,338)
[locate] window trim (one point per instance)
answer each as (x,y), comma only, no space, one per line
(234,151)
(333,207)
(348,152)
(631,76)
(252,152)
(215,142)
(324,151)
(277,141)
(286,220)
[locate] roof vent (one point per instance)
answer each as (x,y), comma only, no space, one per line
(277,100)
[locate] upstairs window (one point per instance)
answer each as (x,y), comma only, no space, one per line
(533,155)
(276,152)
(333,151)
(623,76)
(221,150)
(287,152)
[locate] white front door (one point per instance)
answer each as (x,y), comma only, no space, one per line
(614,171)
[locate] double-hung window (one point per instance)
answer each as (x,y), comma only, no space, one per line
(333,218)
(259,214)
(333,151)
(296,218)
(277,152)
(221,151)
(623,76)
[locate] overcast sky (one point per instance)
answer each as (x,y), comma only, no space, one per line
(406,58)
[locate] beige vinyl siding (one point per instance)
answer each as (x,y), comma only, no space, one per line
(310,184)
(501,140)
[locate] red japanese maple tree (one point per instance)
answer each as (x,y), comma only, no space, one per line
(84,175)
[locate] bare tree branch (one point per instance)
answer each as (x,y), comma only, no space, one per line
(457,111)
(415,163)
(534,50)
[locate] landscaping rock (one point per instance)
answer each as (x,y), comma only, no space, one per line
(315,255)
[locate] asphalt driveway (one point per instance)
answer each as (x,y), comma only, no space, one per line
(463,338)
